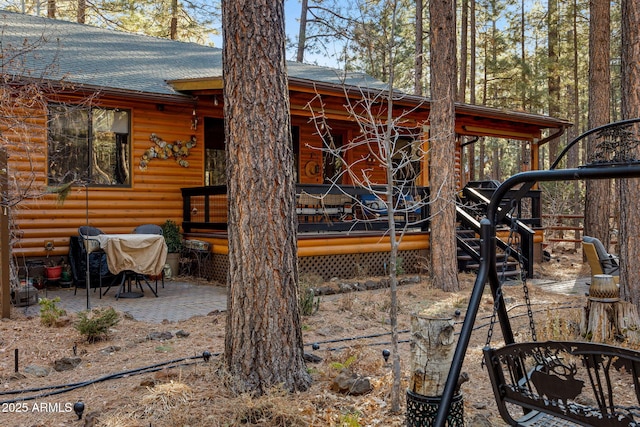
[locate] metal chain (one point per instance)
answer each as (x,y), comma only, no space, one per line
(523,278)
(527,299)
(498,296)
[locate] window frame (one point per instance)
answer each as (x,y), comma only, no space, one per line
(87,178)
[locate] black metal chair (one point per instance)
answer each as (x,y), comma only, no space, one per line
(96,258)
(150,229)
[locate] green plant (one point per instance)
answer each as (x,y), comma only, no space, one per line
(49,312)
(399,266)
(340,366)
(95,325)
(350,420)
(309,304)
(307,300)
(172,236)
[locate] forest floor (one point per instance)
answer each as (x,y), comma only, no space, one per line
(114,381)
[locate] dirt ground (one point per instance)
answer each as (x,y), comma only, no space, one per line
(131,380)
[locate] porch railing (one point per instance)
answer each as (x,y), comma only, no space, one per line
(320,208)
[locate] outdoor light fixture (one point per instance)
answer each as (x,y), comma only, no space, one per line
(527,153)
(194,120)
(78,408)
(215,100)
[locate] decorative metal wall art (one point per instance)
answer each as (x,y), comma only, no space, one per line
(178,150)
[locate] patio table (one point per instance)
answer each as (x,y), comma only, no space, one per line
(133,254)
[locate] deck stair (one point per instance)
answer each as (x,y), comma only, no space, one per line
(469,255)
(470,210)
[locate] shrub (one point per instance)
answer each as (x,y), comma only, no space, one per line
(95,325)
(49,312)
(307,300)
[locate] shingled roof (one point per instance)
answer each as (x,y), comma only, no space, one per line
(101,58)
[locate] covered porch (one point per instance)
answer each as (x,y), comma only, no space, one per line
(343,231)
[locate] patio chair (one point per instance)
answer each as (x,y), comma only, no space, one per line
(98,268)
(600,261)
(149,229)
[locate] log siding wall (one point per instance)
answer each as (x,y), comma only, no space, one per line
(153,197)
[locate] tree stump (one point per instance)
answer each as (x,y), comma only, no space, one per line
(605,318)
(432,348)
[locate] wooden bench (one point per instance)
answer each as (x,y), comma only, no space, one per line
(566,383)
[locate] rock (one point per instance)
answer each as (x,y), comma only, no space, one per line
(182,334)
(160,336)
(480,420)
(111,349)
(62,321)
(325,290)
(351,383)
(17,376)
(359,286)
(345,287)
(38,371)
(311,358)
(66,363)
(371,284)
(410,280)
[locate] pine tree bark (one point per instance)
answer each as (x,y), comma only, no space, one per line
(553,79)
(419,44)
(630,188)
(464,51)
(263,340)
(81,14)
(443,144)
(302,33)
(597,201)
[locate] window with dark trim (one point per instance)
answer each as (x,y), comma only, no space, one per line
(89,145)
(215,151)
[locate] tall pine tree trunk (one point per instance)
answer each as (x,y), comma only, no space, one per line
(302,33)
(630,189)
(263,340)
(464,51)
(444,269)
(81,15)
(597,201)
(173,26)
(553,73)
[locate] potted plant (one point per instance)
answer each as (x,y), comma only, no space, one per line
(53,270)
(173,239)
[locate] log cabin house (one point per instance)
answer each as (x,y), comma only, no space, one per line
(136,125)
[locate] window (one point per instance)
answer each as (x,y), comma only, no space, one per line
(332,158)
(215,155)
(89,145)
(215,162)
(406,160)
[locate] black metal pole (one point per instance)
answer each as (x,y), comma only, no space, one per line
(467,329)
(84,243)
